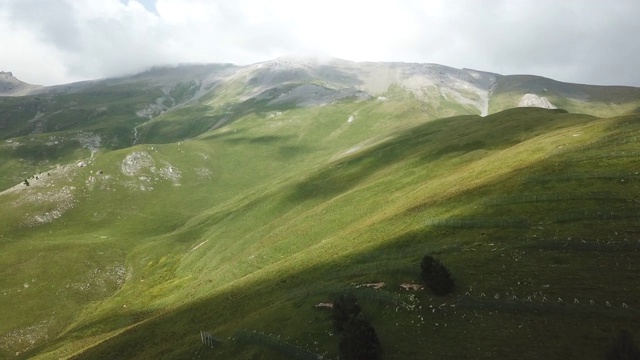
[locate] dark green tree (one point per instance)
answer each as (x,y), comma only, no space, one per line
(345,307)
(436,276)
(359,340)
(26,182)
(623,348)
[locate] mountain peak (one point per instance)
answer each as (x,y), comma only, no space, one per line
(299,61)
(12,86)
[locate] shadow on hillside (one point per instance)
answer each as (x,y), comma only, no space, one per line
(119,320)
(177,334)
(332,74)
(459,134)
(44,152)
(259,140)
(279,143)
(191,121)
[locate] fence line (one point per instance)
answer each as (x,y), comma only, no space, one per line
(276,344)
(208,339)
(545,303)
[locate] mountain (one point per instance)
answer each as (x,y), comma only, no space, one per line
(233,205)
(11,86)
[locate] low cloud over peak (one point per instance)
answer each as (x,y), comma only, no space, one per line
(55,41)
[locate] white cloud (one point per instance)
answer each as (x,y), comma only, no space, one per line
(28,57)
(52,41)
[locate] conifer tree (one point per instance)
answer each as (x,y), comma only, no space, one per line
(436,276)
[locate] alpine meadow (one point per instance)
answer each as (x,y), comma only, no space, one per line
(310,208)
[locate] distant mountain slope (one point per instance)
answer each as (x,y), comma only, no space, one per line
(589,99)
(220,93)
(11,86)
(169,104)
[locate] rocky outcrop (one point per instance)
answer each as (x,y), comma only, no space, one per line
(146,173)
(533,100)
(11,86)
(136,162)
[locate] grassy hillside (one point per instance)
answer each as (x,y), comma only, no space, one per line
(247,227)
(59,124)
(138,212)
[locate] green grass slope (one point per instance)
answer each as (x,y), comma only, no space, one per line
(98,207)
(242,230)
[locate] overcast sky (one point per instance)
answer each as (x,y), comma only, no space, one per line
(58,41)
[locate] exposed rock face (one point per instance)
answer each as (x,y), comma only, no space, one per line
(533,100)
(316,82)
(307,95)
(10,86)
(142,165)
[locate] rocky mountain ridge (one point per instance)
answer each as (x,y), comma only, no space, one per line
(316,81)
(11,86)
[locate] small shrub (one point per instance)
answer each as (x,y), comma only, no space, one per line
(345,307)
(623,348)
(359,340)
(436,276)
